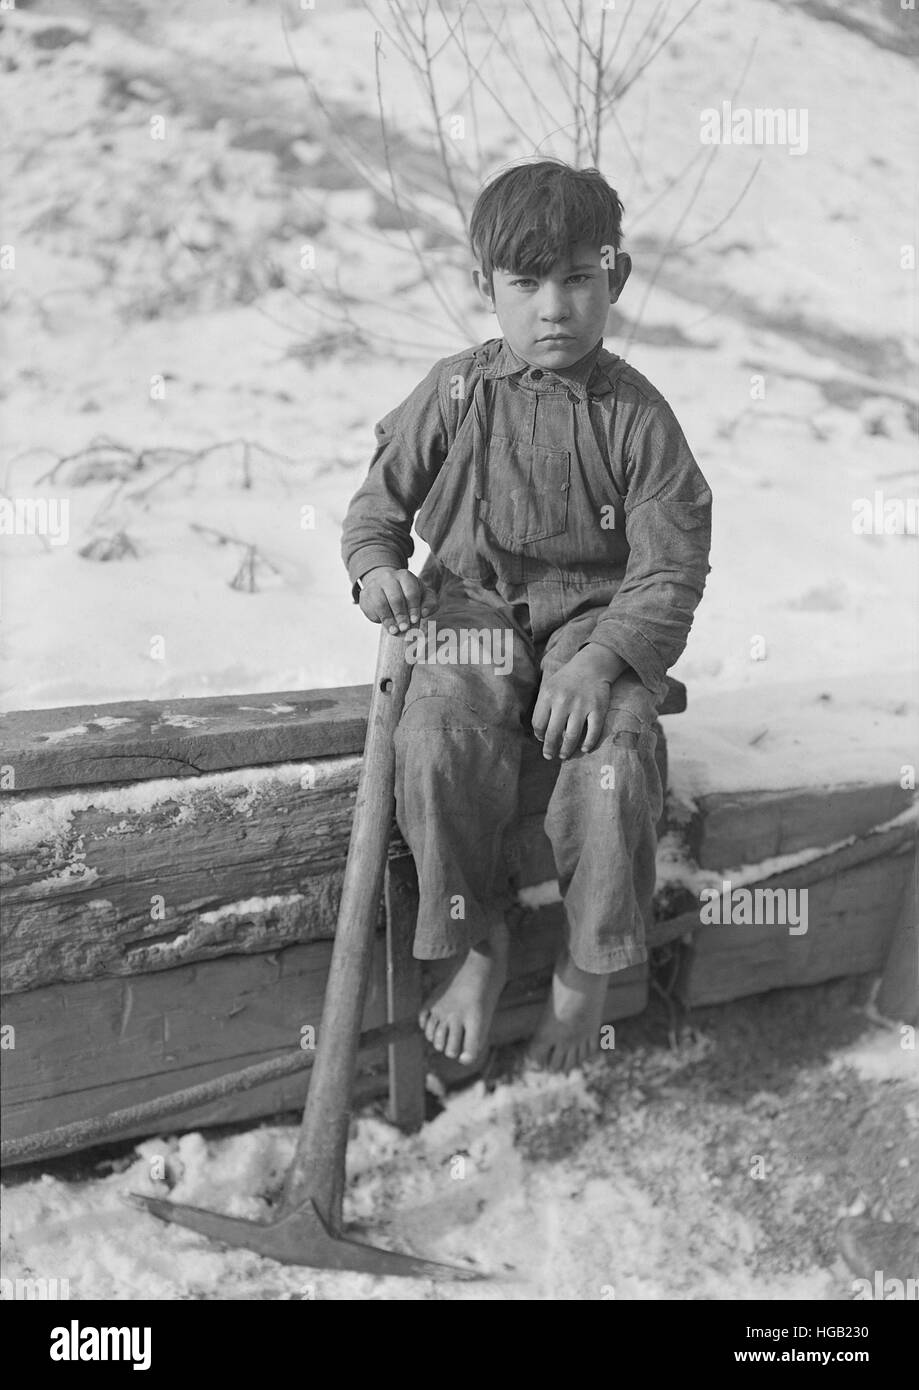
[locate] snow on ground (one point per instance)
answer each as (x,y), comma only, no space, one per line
(634,1179)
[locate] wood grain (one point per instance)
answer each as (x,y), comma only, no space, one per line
(854,901)
(733,828)
(130,741)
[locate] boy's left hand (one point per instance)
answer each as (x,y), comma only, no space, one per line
(576,695)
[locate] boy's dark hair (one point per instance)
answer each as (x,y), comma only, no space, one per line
(528,217)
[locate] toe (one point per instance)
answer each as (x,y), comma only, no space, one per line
(472,1044)
(430,1027)
(454,1043)
(440,1036)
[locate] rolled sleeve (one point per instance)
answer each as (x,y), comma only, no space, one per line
(668,529)
(411,446)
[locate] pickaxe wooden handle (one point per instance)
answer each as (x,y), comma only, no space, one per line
(318,1167)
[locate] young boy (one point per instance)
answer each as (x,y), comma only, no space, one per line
(568,524)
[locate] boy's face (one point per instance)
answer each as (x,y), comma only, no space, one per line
(554,320)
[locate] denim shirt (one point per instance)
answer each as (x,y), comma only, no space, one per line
(564,489)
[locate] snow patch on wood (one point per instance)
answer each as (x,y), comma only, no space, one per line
(261,915)
(46,821)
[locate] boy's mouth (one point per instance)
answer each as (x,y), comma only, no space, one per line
(556,338)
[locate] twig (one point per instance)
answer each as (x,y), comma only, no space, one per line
(688,245)
(668,247)
(432,283)
(620,92)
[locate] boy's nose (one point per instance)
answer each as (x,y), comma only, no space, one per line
(554,307)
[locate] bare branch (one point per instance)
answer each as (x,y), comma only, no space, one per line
(521,72)
(667,249)
(432,283)
(688,245)
(620,92)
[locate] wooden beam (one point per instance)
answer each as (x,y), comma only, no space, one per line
(123,880)
(898,991)
(733,828)
(89,1048)
(120,880)
(135,740)
(854,898)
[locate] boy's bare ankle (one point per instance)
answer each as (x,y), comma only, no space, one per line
(569,1030)
(497,937)
(457,1016)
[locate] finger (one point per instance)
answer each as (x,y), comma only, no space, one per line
(375,605)
(595,722)
(574,728)
(397,604)
(555,730)
(429,601)
(541,715)
(413,592)
(386,616)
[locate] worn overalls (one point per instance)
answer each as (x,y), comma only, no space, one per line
(560,508)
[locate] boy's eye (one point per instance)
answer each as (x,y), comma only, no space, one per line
(523,282)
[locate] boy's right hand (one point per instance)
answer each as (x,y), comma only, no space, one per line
(395,597)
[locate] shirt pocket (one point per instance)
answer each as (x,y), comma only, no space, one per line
(523,493)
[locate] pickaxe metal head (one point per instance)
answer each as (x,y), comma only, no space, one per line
(298,1237)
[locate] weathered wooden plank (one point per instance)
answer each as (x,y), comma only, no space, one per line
(130,741)
(242,866)
(734,828)
(88,1048)
(898,992)
(142,877)
(92,1047)
(284,1097)
(880,844)
(135,740)
(125,879)
(852,907)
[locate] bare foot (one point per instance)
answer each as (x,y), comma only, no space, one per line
(569,1030)
(457,1016)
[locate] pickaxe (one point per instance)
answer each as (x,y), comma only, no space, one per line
(307,1226)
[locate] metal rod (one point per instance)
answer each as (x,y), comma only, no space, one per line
(83,1133)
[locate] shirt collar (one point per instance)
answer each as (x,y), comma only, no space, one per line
(577,377)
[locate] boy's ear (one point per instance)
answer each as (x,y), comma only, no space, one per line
(618,274)
(484,287)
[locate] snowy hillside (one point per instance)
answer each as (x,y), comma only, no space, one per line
(158,302)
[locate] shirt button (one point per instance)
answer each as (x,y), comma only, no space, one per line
(572,397)
(536,375)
